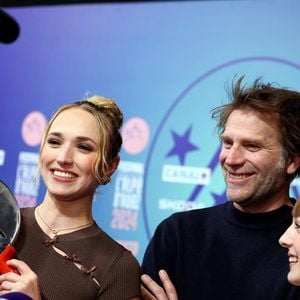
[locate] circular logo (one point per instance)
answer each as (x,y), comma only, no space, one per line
(182,171)
(135,134)
(33,127)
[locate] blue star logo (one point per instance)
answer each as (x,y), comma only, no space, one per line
(182,145)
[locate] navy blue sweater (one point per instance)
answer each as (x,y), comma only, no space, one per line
(222,253)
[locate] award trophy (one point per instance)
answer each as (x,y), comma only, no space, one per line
(9,226)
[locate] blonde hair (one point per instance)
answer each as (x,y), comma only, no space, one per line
(109,120)
(296,209)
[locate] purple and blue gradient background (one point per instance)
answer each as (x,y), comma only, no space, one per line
(167,63)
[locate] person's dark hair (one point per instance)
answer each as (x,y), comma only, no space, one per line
(269,99)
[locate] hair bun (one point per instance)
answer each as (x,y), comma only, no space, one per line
(110,108)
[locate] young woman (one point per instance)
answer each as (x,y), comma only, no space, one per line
(62,253)
(291,240)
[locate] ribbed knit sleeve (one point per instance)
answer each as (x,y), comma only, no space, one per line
(121,279)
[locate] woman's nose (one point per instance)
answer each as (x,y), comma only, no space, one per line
(65,156)
(285,240)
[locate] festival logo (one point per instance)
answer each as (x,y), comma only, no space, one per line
(129,180)
(182,171)
(27,179)
(135,134)
(33,127)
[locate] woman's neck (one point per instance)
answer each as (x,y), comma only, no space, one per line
(63,216)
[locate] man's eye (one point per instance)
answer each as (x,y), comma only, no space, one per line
(226,144)
(252,147)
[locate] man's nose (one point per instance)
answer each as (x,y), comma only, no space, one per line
(234,155)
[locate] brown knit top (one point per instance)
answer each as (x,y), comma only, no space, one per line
(94,267)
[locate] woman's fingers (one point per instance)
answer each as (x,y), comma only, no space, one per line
(168,285)
(26,281)
(157,291)
(146,295)
(167,292)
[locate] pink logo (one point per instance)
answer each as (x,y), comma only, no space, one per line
(33,128)
(135,135)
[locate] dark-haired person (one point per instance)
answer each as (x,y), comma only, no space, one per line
(62,253)
(231,251)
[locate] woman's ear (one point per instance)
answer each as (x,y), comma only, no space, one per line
(293,163)
(114,165)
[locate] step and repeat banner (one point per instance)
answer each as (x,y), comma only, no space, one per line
(167,64)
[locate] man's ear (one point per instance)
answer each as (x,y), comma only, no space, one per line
(293,163)
(114,165)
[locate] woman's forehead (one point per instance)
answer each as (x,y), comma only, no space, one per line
(76,121)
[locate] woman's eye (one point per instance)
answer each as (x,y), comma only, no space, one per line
(53,142)
(297,227)
(85,147)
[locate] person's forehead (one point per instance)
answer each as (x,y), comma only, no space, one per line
(245,118)
(75,116)
(76,121)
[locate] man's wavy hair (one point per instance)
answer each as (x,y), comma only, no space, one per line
(269,99)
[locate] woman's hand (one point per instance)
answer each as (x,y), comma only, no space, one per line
(168,292)
(25,282)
